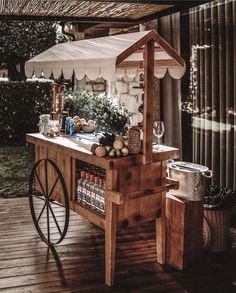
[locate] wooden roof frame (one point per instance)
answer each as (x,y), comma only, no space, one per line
(148,42)
(151,36)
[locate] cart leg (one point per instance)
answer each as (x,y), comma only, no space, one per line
(161,233)
(110,242)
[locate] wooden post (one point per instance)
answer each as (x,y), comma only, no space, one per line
(110,242)
(184,222)
(161,233)
(148,102)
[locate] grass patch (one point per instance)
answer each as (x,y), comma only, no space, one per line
(15,167)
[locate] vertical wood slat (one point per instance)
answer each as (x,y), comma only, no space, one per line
(207,81)
(201,85)
(215,152)
(192,89)
(73,182)
(110,229)
(196,96)
(234,86)
(222,90)
(110,242)
(216,78)
(229,92)
(148,102)
(161,233)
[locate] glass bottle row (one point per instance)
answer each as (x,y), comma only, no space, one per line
(91,191)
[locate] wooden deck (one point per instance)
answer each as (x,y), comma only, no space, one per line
(77,264)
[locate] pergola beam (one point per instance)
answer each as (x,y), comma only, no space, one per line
(169,11)
(166,7)
(96,20)
(159,2)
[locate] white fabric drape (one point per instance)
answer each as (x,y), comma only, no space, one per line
(97,58)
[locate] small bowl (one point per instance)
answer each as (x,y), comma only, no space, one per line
(88,129)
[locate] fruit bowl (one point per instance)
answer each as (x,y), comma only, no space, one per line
(88,128)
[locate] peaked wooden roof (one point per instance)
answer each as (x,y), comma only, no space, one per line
(94,11)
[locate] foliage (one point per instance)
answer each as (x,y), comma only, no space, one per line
(15,167)
(219,198)
(21,103)
(21,40)
(109,116)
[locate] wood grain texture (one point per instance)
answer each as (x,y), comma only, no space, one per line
(148,102)
(134,192)
(139,210)
(110,241)
(65,146)
(77,263)
(184,221)
(161,236)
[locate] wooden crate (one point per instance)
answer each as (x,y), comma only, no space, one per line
(184,222)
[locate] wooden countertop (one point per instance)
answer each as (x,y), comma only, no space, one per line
(67,144)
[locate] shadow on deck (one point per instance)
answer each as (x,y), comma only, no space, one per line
(77,263)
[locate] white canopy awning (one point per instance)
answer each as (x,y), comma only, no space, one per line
(103,57)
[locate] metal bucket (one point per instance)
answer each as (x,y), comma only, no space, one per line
(190,177)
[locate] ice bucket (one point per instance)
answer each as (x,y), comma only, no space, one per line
(190,177)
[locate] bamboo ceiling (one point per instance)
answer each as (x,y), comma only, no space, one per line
(120,11)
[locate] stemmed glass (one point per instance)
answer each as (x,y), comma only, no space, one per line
(158,131)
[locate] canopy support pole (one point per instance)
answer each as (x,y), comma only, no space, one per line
(148,102)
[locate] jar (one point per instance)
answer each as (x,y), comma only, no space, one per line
(134,140)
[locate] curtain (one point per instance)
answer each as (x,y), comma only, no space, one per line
(212,95)
(169,29)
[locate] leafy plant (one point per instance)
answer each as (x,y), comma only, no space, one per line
(21,104)
(109,116)
(21,40)
(219,198)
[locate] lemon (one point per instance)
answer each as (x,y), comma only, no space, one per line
(118,145)
(124,152)
(120,137)
(83,121)
(76,119)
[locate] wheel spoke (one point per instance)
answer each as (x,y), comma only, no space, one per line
(43,187)
(41,212)
(55,220)
(40,183)
(46,177)
(54,185)
(56,203)
(48,223)
(39,197)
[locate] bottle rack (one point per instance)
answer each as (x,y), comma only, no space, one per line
(90,186)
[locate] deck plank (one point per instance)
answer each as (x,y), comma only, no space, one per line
(77,263)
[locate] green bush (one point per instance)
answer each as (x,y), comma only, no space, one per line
(21,103)
(109,116)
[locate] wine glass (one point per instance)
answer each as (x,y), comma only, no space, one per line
(158,131)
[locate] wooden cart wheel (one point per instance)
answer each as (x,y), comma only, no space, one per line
(49,201)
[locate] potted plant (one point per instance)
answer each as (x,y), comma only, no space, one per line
(109,114)
(217,203)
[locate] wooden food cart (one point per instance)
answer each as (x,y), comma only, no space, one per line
(136,185)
